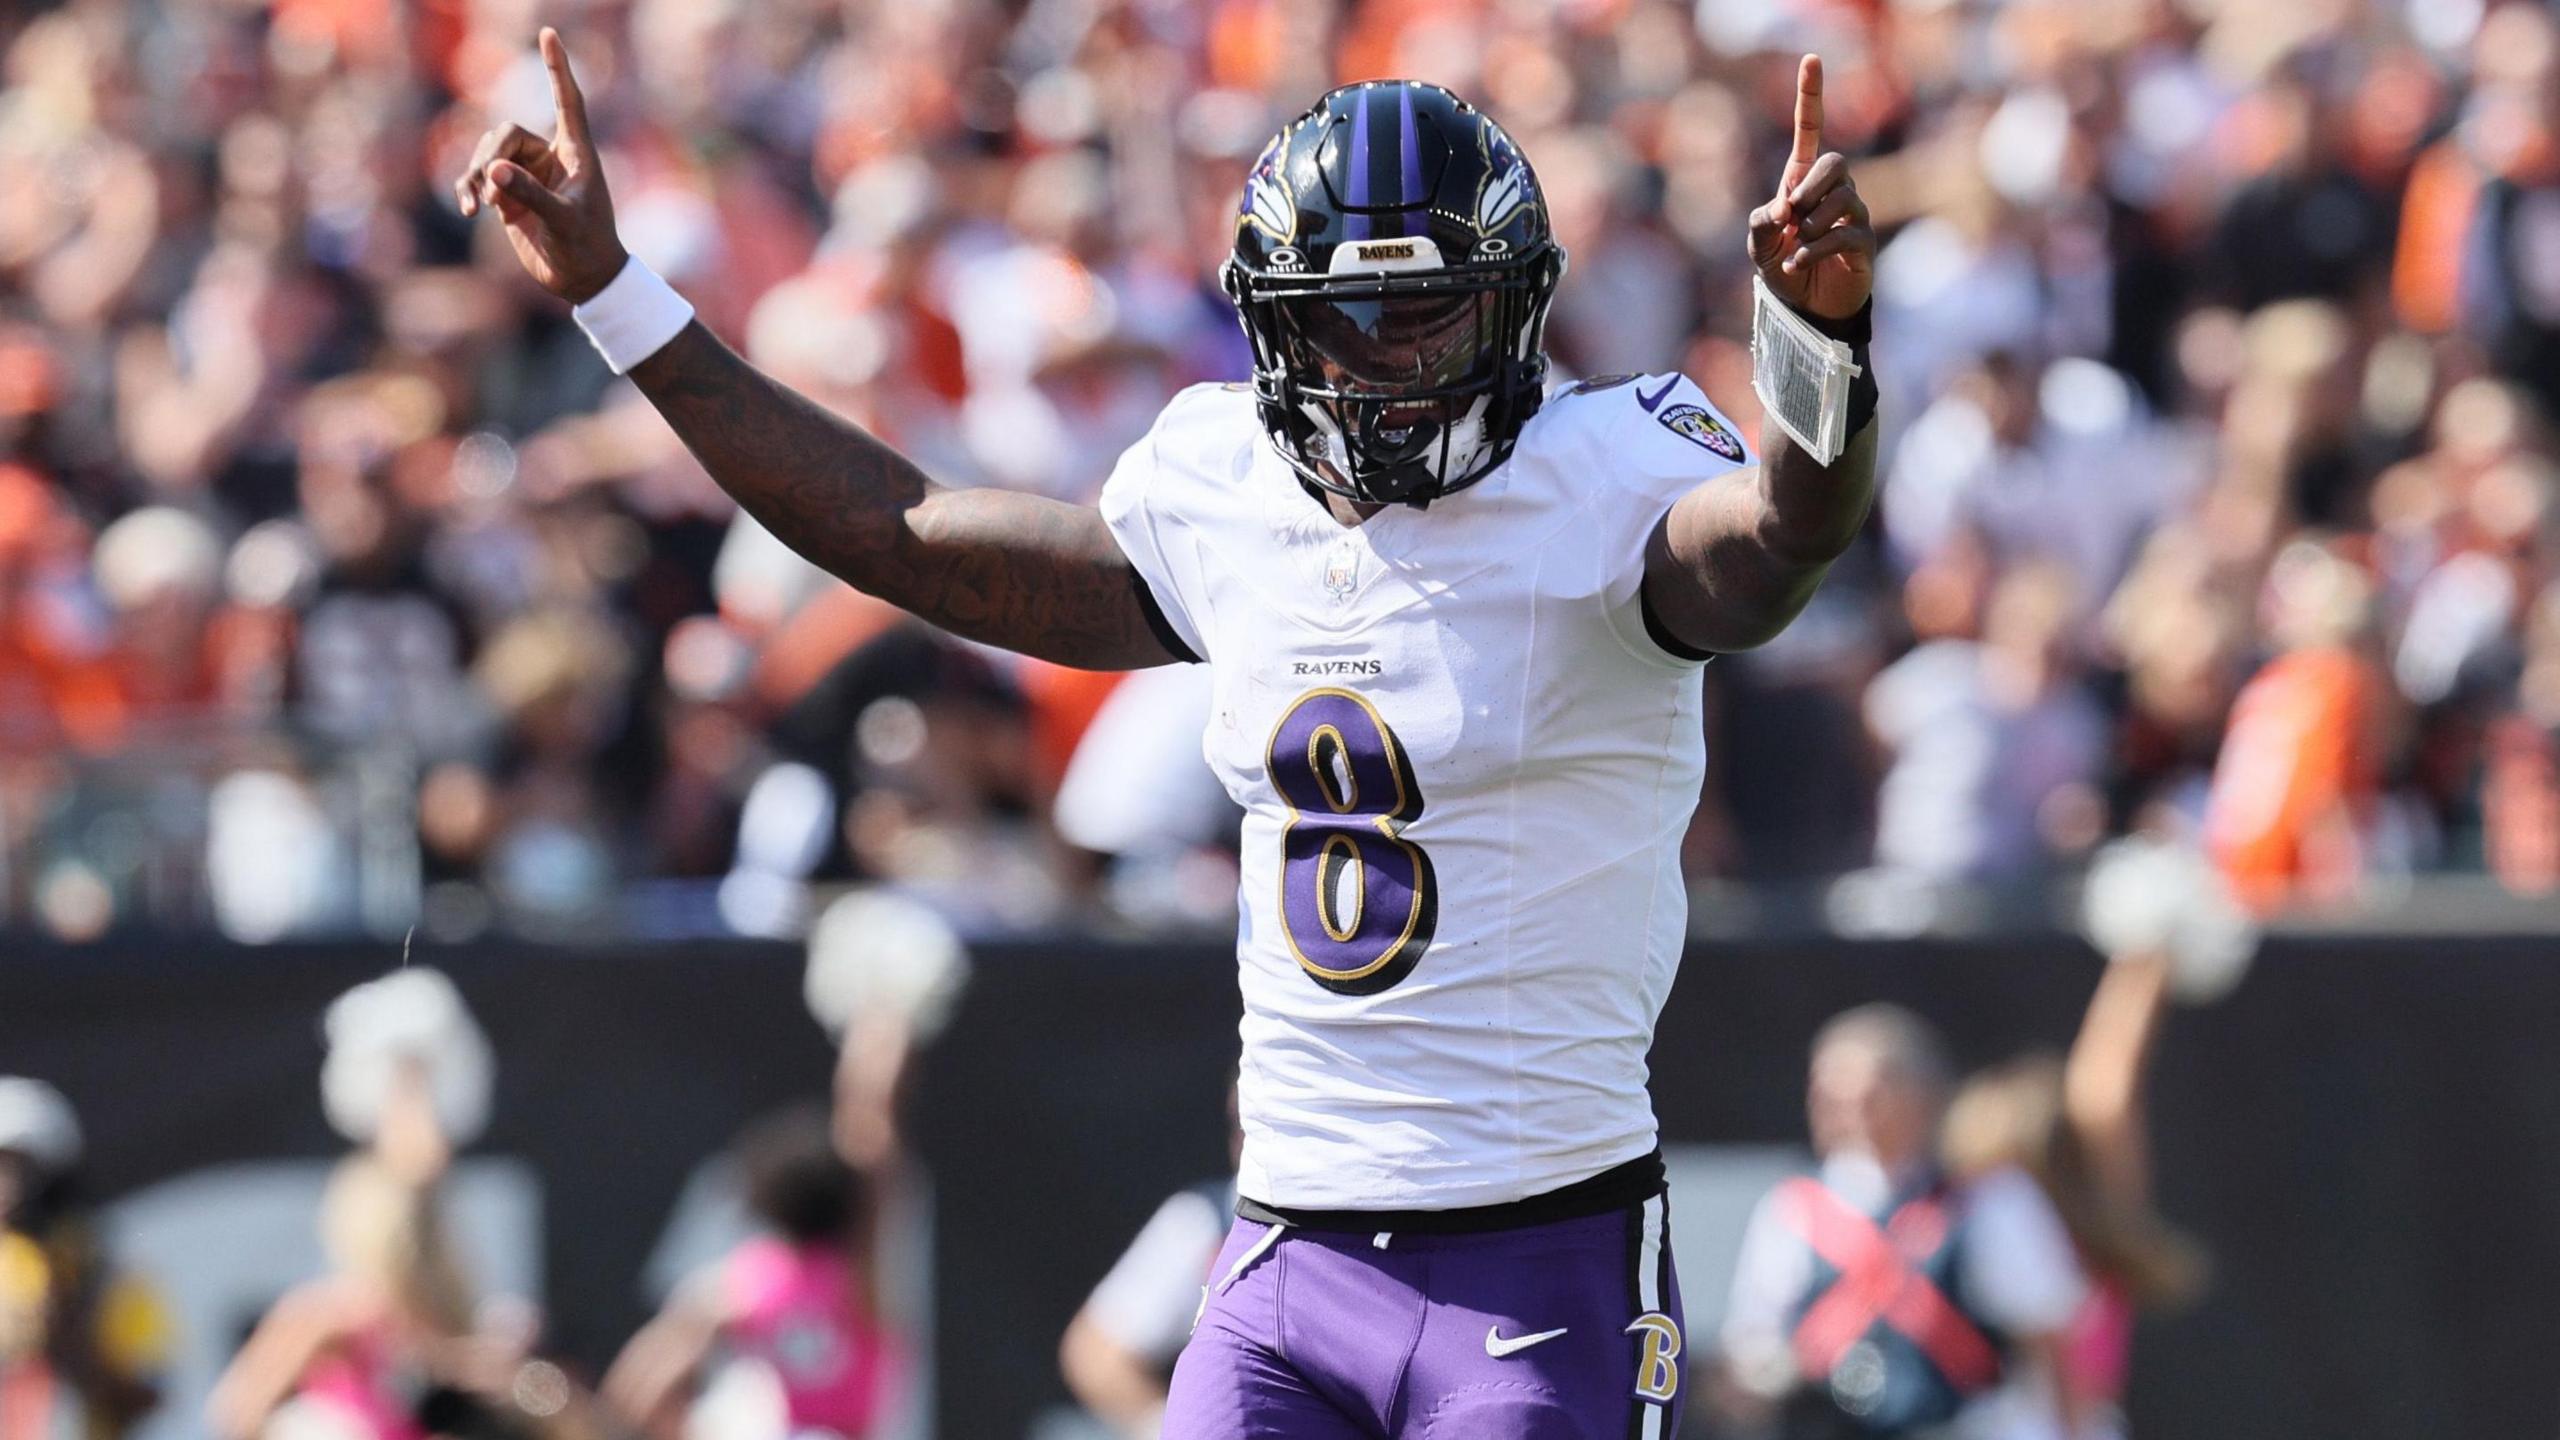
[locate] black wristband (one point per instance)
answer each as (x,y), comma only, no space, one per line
(1858,330)
(1862,391)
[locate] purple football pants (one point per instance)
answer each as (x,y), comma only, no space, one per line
(1562,1331)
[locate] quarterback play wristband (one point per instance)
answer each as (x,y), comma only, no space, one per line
(628,320)
(1803,377)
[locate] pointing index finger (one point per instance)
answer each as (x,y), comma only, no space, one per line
(564,92)
(1808,111)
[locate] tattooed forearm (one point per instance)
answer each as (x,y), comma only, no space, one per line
(1019,571)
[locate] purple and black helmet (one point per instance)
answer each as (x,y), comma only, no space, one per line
(1393,266)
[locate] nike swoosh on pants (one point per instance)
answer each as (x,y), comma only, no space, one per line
(1497,1347)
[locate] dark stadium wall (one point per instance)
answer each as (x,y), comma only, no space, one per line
(2367,1135)
(619,1072)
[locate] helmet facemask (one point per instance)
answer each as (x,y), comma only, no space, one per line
(1398,388)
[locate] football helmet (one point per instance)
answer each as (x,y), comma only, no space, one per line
(1393,266)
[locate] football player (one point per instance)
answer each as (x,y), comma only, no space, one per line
(1454,625)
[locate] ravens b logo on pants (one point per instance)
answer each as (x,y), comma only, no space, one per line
(1658,1358)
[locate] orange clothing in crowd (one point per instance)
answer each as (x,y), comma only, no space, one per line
(1372,41)
(2435,215)
(49,696)
(2298,771)
(364,29)
(1063,702)
(1245,38)
(814,639)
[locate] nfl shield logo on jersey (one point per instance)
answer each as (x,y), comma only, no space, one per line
(1342,570)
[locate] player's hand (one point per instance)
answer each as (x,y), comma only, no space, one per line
(550,192)
(1813,242)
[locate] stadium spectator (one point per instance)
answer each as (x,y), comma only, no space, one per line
(393,1343)
(2165,291)
(81,1345)
(796,1303)
(1877,1296)
(2293,803)
(2509,298)
(799,1328)
(360,1345)
(2079,1126)
(2075,1128)
(2041,1118)
(1995,744)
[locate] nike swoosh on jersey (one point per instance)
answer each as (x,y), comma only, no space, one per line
(1497,1347)
(1654,401)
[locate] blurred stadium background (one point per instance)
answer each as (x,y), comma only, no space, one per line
(346,598)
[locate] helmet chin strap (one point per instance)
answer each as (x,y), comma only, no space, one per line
(1415,481)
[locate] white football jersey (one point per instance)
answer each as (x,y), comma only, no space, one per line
(1465,769)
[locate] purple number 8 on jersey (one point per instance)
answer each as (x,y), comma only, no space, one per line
(1358,902)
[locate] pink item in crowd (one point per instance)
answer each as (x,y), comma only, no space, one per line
(797,1309)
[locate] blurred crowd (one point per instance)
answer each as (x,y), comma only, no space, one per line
(340,584)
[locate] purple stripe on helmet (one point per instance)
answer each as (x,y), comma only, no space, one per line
(1355,222)
(1409,180)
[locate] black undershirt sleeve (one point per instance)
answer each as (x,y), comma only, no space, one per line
(1661,635)
(1156,623)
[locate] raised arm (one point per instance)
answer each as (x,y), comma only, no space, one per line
(1738,557)
(1019,571)
(2102,1082)
(1024,572)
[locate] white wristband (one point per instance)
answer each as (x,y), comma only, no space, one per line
(630,319)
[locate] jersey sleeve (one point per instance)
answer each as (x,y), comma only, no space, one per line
(1657,437)
(1136,504)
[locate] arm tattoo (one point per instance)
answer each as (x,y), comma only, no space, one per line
(1019,571)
